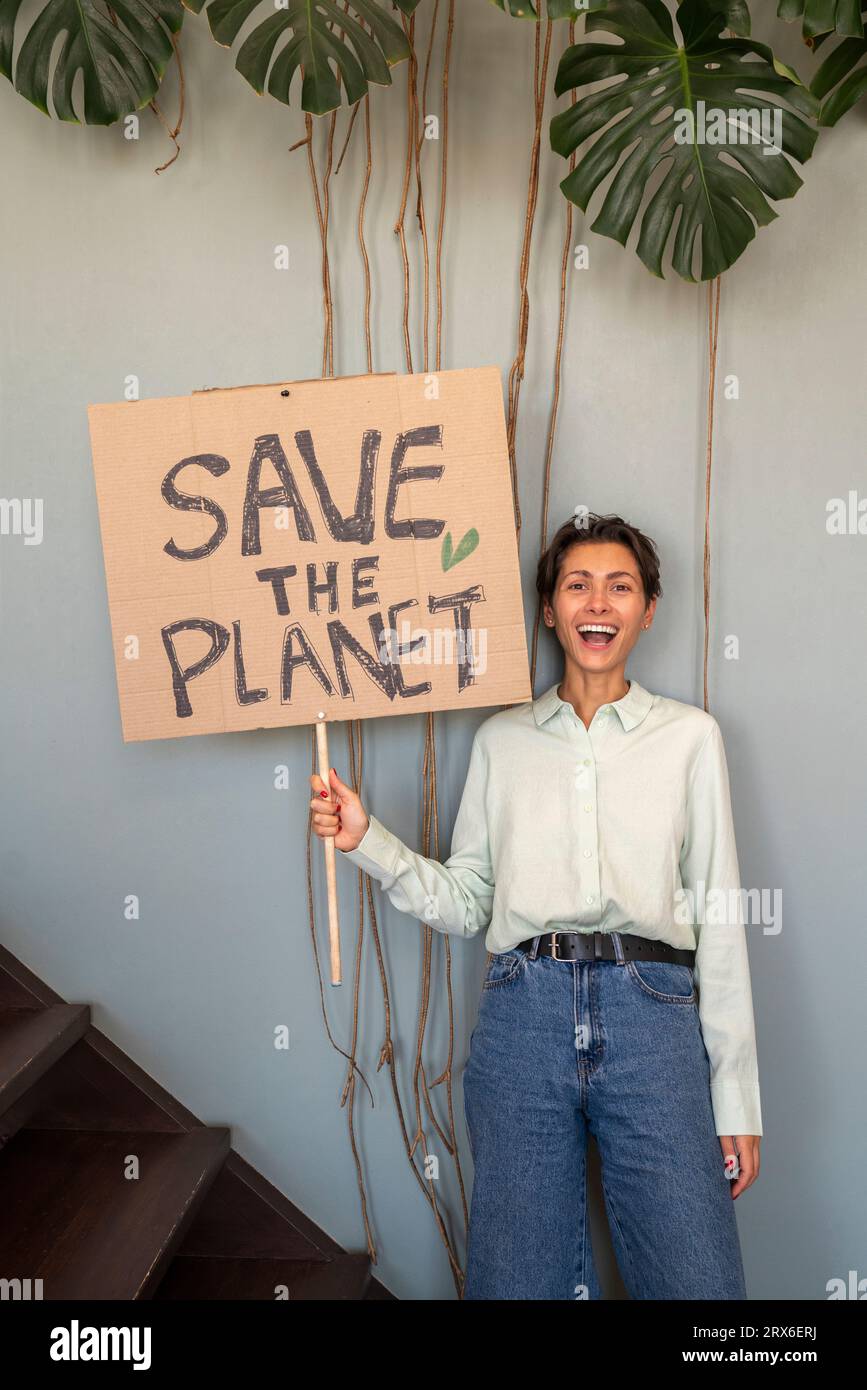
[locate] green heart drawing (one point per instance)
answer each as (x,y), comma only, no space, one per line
(465,548)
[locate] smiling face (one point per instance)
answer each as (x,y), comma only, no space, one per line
(598,608)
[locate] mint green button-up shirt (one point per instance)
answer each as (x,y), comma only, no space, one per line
(626,826)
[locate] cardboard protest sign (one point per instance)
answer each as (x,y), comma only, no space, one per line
(342,545)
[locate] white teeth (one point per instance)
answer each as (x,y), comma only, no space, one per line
(596,627)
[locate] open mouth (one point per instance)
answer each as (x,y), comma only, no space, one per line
(597,635)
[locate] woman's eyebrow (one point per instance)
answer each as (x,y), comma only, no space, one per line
(612,574)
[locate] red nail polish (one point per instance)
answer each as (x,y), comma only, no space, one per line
(323,793)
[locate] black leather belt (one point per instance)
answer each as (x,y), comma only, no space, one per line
(599,945)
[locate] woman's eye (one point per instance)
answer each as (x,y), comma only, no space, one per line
(577,584)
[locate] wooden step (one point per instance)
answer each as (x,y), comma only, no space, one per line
(78,1105)
(243,1218)
(196,1277)
(378,1293)
(31,1042)
(74,1220)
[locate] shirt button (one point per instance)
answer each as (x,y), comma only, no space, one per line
(587,853)
(586,762)
(588,806)
(590,898)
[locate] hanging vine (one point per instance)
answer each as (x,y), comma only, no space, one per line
(430,819)
(423,1102)
(173,131)
(555,401)
(516,371)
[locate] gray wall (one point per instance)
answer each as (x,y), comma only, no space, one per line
(109,270)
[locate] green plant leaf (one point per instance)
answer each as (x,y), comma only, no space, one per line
(841,79)
(466,546)
(326,43)
(122,64)
(706,205)
(824,16)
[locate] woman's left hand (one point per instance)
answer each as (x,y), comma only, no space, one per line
(746,1148)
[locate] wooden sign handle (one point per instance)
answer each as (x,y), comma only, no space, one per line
(330,864)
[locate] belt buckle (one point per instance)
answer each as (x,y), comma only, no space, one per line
(554,956)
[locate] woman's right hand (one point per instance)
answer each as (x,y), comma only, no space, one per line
(339,815)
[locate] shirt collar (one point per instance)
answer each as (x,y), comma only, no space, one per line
(631,707)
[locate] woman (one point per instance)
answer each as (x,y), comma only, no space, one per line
(594,842)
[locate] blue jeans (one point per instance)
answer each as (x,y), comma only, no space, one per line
(563,1048)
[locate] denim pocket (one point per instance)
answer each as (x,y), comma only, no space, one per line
(662,979)
(505,967)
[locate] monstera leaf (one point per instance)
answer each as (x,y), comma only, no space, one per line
(824,16)
(707,196)
(122,52)
(841,78)
(324,41)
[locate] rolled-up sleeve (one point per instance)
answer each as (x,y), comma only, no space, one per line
(455,896)
(710,875)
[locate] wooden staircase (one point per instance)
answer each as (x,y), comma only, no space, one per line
(110,1189)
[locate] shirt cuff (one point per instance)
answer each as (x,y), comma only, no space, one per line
(376,852)
(736,1107)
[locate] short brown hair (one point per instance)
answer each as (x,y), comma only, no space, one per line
(599,528)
